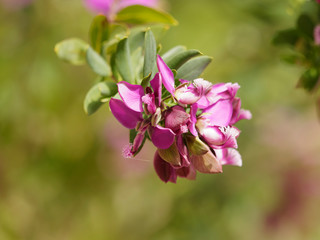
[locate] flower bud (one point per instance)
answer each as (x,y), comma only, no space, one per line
(171,155)
(195,145)
(156,117)
(206,163)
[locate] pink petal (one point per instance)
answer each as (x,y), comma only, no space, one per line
(244,114)
(138,141)
(175,118)
(203,84)
(187,95)
(316,34)
(221,91)
(166,75)
(229,156)
(156,84)
(131,95)
(229,139)
(239,114)
(220,113)
(123,114)
(99,6)
(126,3)
(213,136)
(164,170)
(183,151)
(193,119)
(149,100)
(162,137)
(203,102)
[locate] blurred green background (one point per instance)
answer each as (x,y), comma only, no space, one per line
(62,175)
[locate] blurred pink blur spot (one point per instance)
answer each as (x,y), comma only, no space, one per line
(15,4)
(110,7)
(317,35)
(117,139)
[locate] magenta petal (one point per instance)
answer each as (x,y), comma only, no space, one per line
(156,85)
(213,136)
(126,3)
(229,156)
(183,151)
(166,75)
(203,102)
(162,137)
(175,118)
(193,119)
(138,141)
(131,95)
(220,113)
(227,140)
(164,170)
(99,6)
(244,114)
(123,114)
(239,114)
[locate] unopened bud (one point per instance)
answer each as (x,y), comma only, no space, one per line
(195,145)
(171,155)
(156,117)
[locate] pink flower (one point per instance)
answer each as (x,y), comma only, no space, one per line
(135,101)
(111,7)
(192,127)
(128,112)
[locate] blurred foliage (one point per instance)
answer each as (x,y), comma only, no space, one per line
(61,172)
(302,40)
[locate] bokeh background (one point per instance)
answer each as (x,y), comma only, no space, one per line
(62,175)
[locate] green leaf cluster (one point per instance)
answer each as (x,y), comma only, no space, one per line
(122,50)
(126,50)
(303,50)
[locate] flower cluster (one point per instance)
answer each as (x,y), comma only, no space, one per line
(190,124)
(188,119)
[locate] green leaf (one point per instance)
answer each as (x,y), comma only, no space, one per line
(305,25)
(288,36)
(158,30)
(99,94)
(97,63)
(123,61)
(137,64)
(114,69)
(193,68)
(145,81)
(117,33)
(309,80)
(150,54)
(179,59)
(133,133)
(169,55)
(294,58)
(72,50)
(136,39)
(138,14)
(99,32)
